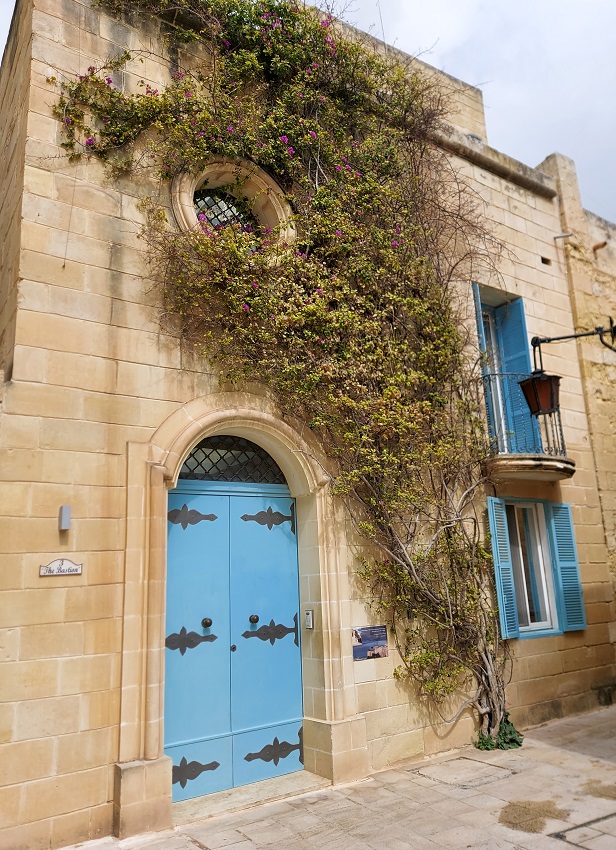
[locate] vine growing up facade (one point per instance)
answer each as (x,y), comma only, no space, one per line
(354,326)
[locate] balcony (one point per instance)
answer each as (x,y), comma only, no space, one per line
(522,446)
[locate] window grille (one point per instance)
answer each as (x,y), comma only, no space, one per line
(221,210)
(227,458)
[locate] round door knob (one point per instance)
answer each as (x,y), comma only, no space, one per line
(206,622)
(254,618)
(233,647)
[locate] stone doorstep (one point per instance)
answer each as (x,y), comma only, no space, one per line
(247,797)
(291,786)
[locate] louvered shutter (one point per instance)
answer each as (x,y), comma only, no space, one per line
(503,567)
(567,568)
(523,430)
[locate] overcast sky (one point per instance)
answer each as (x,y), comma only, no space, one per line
(547,70)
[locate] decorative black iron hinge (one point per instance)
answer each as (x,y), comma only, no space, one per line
(279,750)
(274,631)
(270,518)
(187,640)
(185,517)
(186,771)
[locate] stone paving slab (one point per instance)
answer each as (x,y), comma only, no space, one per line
(557,793)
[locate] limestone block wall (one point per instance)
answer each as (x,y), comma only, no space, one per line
(14,82)
(464,102)
(92,371)
(552,676)
(555,675)
(591,268)
(594,305)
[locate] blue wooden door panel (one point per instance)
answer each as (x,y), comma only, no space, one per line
(232,689)
(197,675)
(266,753)
(266,668)
(201,768)
(524,431)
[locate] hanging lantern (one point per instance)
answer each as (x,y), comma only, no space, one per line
(541,392)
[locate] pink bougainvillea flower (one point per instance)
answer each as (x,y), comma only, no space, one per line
(90,142)
(284,139)
(312,133)
(245,307)
(338,232)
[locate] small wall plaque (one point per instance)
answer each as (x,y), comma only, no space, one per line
(61,567)
(370,642)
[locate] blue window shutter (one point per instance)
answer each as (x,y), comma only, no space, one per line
(567,568)
(523,430)
(503,567)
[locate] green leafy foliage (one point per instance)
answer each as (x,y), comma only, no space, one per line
(508,737)
(354,326)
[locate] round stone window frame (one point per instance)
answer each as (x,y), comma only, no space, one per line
(265,197)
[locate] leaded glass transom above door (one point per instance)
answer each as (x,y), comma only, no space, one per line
(229,458)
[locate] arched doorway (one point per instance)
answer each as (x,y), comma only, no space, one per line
(233,682)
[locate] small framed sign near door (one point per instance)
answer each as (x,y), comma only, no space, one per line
(370,642)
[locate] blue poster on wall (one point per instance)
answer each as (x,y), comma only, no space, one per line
(370,642)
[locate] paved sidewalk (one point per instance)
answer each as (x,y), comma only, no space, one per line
(557,792)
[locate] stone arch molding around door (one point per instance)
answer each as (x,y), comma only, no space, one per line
(334,733)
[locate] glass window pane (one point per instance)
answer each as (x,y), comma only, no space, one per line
(531,567)
(517,558)
(220,209)
(229,458)
(493,382)
(535,573)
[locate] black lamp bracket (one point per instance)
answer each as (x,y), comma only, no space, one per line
(607,337)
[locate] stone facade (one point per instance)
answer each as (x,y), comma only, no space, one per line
(591,267)
(99,406)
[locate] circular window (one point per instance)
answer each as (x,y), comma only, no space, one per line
(245,190)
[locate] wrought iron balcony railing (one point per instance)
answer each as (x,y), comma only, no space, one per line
(512,428)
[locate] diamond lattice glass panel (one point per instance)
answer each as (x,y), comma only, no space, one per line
(221,210)
(225,458)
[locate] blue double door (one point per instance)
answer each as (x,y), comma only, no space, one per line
(233,688)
